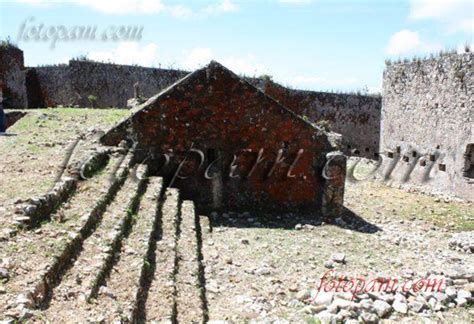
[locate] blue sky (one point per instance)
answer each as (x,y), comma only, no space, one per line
(319,45)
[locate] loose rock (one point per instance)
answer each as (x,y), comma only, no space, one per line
(303,295)
(323,298)
(369,318)
(338,257)
(382,308)
(464,294)
(400,306)
(329,264)
(4,274)
(416,306)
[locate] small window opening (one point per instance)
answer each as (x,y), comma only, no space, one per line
(423,163)
(399,149)
(432,157)
(414,154)
(406,158)
(442,167)
(390,155)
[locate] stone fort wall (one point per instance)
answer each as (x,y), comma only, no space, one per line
(49,86)
(110,84)
(427,124)
(12,76)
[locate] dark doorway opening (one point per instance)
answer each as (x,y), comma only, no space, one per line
(468,170)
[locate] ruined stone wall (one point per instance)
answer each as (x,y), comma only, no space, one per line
(427,124)
(50,86)
(355,117)
(12,76)
(112,84)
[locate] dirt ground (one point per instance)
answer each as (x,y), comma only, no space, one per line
(36,146)
(256,267)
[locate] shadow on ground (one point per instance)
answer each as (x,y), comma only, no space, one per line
(348,220)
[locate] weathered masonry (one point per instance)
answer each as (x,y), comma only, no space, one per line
(12,77)
(76,83)
(226,144)
(427,124)
(110,85)
(356,117)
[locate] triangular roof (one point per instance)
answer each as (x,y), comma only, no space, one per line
(213,69)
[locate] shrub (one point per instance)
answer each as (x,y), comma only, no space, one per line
(92,99)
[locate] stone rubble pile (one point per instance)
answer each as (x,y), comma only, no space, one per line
(463,242)
(34,210)
(370,307)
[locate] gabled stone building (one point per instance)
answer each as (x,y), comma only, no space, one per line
(227,145)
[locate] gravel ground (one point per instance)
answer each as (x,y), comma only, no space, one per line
(260,269)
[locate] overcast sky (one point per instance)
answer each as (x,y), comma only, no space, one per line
(319,45)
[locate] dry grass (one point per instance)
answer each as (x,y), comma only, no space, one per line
(32,156)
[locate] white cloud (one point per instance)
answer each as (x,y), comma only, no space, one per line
(179,11)
(456,15)
(128,53)
(247,65)
(408,42)
(402,42)
(200,56)
(222,7)
(145,7)
(196,58)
